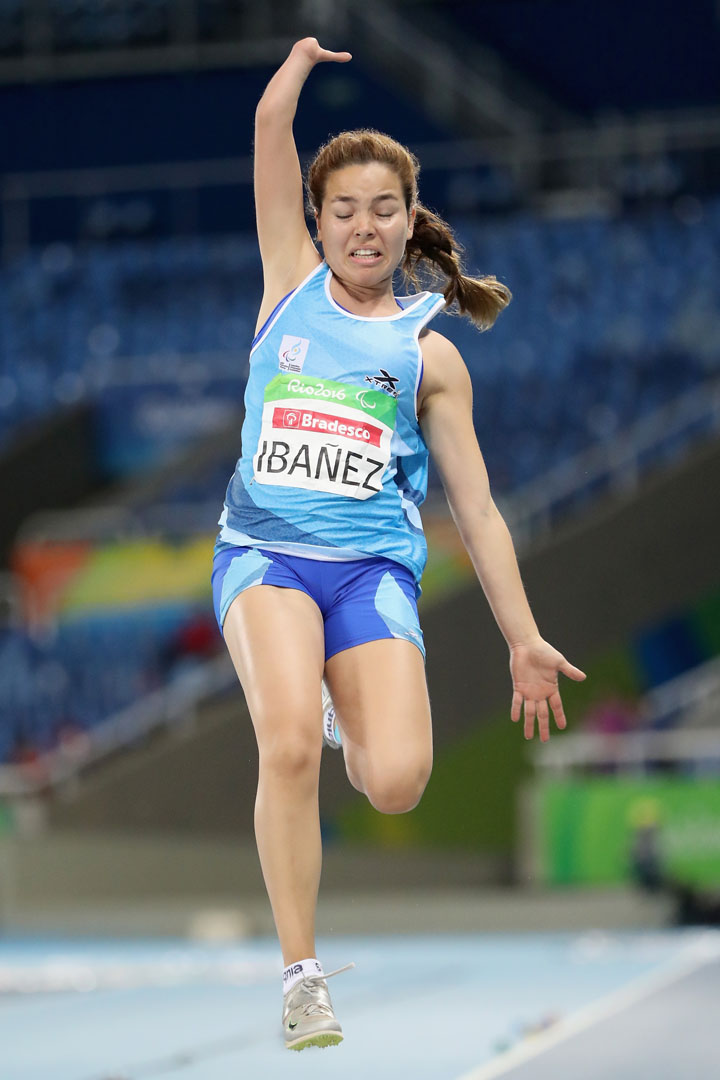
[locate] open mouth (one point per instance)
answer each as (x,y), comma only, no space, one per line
(366,255)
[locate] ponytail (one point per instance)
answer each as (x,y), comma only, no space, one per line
(434,245)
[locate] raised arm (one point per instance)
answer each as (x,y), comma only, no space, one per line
(445,413)
(286,247)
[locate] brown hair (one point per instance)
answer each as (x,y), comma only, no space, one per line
(432,246)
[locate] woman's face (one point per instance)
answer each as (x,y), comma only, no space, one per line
(363,223)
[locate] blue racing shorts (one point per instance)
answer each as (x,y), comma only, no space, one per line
(363,600)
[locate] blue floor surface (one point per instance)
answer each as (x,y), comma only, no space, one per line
(433,1007)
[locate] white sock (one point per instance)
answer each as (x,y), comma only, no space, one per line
(295,972)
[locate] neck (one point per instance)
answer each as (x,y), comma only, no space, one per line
(377,299)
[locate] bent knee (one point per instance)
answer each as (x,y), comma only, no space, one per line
(397,792)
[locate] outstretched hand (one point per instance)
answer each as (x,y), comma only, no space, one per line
(534,668)
(315,54)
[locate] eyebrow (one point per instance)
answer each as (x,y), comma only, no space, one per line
(378,198)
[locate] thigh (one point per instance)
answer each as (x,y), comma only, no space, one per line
(276,640)
(380,693)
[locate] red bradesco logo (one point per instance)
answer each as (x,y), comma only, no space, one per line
(286,418)
(326,423)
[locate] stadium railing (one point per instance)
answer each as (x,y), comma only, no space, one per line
(170,706)
(616,465)
(676,702)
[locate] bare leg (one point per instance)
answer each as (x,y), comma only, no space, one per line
(380,694)
(276,640)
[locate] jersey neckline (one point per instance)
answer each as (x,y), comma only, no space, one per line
(413,302)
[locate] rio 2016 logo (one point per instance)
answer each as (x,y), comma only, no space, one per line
(317,389)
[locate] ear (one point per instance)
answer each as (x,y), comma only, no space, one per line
(411,221)
(317,227)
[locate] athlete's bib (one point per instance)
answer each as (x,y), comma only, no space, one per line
(324,435)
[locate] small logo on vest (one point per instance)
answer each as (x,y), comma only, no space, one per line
(385,381)
(292,353)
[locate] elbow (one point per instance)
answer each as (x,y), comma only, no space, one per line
(473,517)
(493,514)
(263,110)
(270,113)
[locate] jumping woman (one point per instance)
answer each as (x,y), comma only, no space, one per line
(321,549)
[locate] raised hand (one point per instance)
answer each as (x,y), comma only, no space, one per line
(534,668)
(286,247)
(311,51)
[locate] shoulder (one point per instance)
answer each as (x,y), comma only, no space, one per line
(443,367)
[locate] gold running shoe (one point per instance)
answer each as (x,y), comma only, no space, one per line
(308,1018)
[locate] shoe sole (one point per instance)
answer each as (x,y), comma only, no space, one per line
(322,1039)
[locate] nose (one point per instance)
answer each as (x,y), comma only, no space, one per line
(364,227)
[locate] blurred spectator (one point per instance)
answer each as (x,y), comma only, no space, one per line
(613,716)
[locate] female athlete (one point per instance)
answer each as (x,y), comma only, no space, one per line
(321,549)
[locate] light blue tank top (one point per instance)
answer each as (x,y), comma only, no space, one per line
(333,464)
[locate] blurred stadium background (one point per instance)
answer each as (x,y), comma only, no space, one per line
(576,149)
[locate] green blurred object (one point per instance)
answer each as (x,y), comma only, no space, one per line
(706,621)
(586,828)
(6,820)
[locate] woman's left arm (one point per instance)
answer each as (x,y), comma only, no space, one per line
(445,415)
